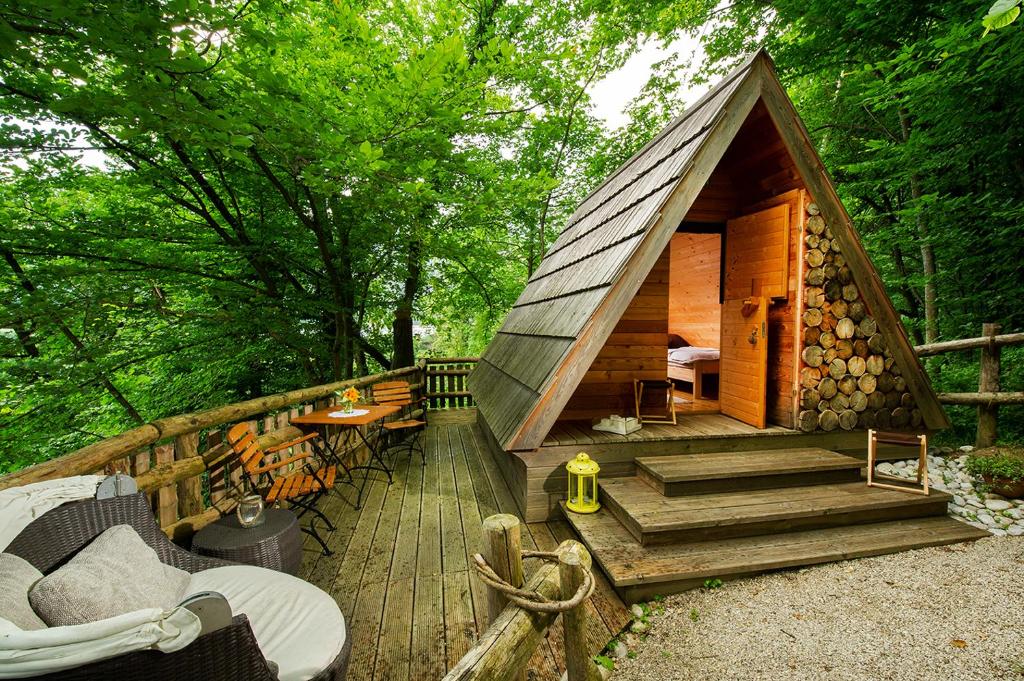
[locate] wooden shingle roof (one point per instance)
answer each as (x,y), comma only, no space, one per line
(597,263)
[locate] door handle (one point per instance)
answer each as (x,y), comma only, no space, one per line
(753,337)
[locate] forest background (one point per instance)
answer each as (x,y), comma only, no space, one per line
(290,185)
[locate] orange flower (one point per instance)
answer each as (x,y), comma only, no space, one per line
(350,395)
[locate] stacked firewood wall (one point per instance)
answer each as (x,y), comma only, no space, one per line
(848,376)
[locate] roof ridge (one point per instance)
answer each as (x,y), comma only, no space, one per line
(740,70)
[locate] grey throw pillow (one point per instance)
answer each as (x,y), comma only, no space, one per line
(16,578)
(117,573)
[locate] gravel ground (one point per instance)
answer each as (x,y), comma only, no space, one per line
(946,613)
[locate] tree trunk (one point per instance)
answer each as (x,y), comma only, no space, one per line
(404,354)
(928,267)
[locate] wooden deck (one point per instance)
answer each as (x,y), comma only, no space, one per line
(689,426)
(400,569)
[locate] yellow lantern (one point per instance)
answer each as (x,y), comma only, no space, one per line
(582,496)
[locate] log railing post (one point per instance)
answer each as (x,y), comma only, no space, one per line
(988,382)
(190,490)
(578,666)
(503,552)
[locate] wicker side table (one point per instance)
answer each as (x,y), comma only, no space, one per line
(276,544)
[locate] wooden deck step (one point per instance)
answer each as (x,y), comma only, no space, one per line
(640,572)
(655,519)
(736,471)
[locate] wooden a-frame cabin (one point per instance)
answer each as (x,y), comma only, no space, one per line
(724,238)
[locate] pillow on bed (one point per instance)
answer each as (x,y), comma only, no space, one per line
(676,341)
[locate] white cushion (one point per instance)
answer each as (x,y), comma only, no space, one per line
(115,574)
(19,506)
(44,651)
(16,577)
(298,626)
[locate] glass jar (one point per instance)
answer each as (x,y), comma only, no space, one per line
(250,511)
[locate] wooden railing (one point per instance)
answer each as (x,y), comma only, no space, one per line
(183,462)
(988,398)
(503,651)
(446,382)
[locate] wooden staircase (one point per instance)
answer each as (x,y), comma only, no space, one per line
(684,519)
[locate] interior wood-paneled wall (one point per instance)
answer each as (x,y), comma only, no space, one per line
(694,311)
(636,348)
(717,201)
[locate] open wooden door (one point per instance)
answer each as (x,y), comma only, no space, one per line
(756,271)
(743,377)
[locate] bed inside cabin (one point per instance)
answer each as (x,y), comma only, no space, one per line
(694,314)
(726,285)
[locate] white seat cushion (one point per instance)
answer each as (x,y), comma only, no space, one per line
(298,626)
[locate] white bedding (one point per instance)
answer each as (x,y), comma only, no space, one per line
(689,355)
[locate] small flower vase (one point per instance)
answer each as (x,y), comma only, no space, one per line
(347,407)
(250,511)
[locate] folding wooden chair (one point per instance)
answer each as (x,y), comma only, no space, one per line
(301,488)
(658,407)
(399,394)
(906,440)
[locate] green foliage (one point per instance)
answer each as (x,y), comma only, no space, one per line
(713,583)
(694,615)
(282,183)
(604,661)
(1001,14)
(997,462)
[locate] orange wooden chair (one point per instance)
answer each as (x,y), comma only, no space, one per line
(301,488)
(399,394)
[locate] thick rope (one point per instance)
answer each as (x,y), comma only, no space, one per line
(531,600)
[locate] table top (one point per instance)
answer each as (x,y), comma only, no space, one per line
(228,533)
(321,417)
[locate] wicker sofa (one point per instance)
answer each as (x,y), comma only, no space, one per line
(229,653)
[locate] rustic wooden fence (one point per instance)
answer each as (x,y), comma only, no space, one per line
(988,398)
(183,461)
(503,651)
(445,379)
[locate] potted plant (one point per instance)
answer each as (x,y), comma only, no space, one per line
(1002,469)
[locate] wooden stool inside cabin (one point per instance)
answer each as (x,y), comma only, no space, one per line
(905,440)
(654,403)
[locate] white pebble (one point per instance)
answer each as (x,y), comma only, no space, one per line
(997,504)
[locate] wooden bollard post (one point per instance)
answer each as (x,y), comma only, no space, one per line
(502,550)
(570,575)
(988,382)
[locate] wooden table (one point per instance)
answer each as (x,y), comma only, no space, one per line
(346,430)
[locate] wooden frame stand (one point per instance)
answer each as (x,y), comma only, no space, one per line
(667,416)
(921,441)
